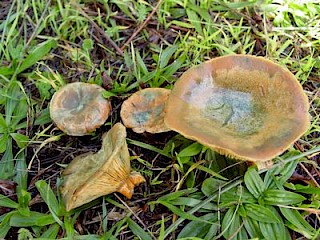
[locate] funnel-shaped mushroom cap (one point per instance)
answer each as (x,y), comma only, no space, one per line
(79,108)
(90,176)
(243,106)
(143,111)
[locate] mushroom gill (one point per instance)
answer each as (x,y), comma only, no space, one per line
(90,176)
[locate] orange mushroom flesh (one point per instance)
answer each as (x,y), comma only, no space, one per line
(79,108)
(143,111)
(90,176)
(242,106)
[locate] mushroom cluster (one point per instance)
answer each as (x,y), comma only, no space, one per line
(243,106)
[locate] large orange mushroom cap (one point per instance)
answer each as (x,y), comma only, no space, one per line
(79,108)
(243,106)
(143,111)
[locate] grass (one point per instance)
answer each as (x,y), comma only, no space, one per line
(191,192)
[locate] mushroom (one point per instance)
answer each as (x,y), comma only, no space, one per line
(143,111)
(79,108)
(90,176)
(242,106)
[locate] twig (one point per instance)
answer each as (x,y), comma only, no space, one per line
(309,174)
(100,30)
(142,25)
(134,214)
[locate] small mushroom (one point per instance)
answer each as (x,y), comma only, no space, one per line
(79,108)
(242,106)
(143,111)
(90,176)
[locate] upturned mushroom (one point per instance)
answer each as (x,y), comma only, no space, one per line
(242,106)
(90,176)
(79,108)
(143,111)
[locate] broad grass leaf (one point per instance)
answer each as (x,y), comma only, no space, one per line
(252,227)
(7,164)
(254,182)
(51,232)
(280,174)
(14,95)
(37,54)
(211,186)
(261,213)
(3,142)
(50,199)
(191,150)
(238,194)
(295,218)
(137,230)
(21,140)
(142,66)
(6,71)
(5,224)
(282,197)
(34,219)
(3,125)
(21,176)
(231,226)
(7,202)
(274,231)
(199,229)
(194,20)
(308,189)
(165,55)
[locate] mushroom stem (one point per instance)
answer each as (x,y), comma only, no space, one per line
(133,180)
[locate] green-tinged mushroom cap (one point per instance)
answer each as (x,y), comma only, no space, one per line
(243,106)
(79,108)
(143,111)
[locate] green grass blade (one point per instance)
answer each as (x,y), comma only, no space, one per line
(34,219)
(7,202)
(51,232)
(276,197)
(295,218)
(6,162)
(137,230)
(37,54)
(5,224)
(50,199)
(21,177)
(181,213)
(3,142)
(147,146)
(261,213)
(254,182)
